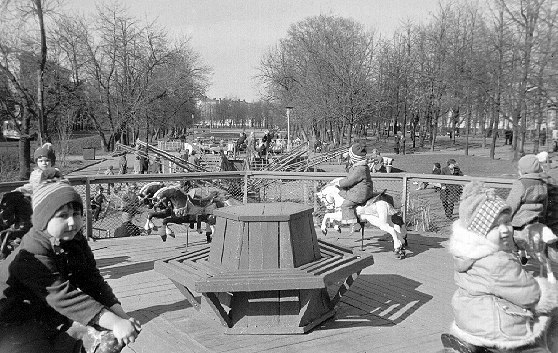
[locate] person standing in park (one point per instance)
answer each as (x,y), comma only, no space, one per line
(123,165)
(356,187)
(397,145)
(97,202)
(263,149)
(401,142)
(450,193)
(528,197)
(109,171)
(194,159)
(155,166)
(240,144)
(144,162)
(251,147)
(137,164)
(127,228)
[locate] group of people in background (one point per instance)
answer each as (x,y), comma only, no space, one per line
(259,149)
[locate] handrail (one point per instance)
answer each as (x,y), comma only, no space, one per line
(245,177)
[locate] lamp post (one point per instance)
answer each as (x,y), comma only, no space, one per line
(289,127)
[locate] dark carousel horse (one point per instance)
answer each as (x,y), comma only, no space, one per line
(194,207)
(15,220)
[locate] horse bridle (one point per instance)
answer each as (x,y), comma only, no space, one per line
(330,205)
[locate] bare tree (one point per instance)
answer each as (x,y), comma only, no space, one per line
(19,36)
(324,69)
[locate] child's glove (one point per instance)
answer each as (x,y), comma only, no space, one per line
(549,296)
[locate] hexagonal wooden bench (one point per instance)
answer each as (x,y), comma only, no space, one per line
(265,271)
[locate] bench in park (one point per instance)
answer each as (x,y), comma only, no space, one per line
(265,271)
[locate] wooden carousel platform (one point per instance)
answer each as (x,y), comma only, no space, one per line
(393,306)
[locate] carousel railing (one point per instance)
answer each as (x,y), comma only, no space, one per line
(417,196)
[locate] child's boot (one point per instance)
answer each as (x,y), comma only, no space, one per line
(453,344)
(163,234)
(169,232)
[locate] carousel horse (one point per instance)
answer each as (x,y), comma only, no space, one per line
(15,220)
(147,192)
(377,211)
(195,206)
(540,243)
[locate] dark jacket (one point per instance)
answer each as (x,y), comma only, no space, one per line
(357,186)
(127,229)
(528,199)
(552,207)
(453,191)
(52,283)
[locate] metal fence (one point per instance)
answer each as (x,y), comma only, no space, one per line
(432,202)
(427,203)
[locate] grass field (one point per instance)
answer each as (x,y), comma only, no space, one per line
(476,163)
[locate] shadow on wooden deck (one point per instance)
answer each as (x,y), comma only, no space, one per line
(394,306)
(384,244)
(378,300)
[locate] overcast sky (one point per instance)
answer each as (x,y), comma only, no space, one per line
(232,35)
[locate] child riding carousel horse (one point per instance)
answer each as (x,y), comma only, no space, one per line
(357,187)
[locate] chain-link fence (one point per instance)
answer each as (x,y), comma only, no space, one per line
(431,203)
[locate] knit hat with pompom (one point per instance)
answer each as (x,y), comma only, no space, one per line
(45,150)
(529,164)
(357,152)
(479,208)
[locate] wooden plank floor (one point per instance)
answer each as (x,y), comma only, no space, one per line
(394,306)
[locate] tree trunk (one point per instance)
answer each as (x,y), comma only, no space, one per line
(43,126)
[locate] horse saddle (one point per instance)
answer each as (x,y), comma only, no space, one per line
(374,198)
(201,198)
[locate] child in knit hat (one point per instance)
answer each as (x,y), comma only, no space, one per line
(497,304)
(52,296)
(45,158)
(528,197)
(356,187)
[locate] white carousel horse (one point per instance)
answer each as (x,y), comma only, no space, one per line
(147,192)
(376,213)
(151,187)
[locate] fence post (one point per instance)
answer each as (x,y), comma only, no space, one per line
(404,199)
(305,191)
(315,191)
(88,217)
(245,197)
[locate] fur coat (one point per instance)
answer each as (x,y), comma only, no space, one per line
(497,303)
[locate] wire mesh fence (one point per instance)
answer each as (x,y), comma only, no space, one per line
(427,203)
(432,203)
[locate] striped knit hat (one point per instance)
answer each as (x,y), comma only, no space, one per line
(357,152)
(480,207)
(48,197)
